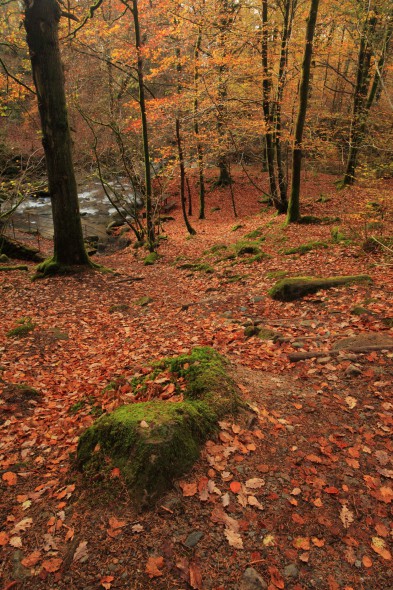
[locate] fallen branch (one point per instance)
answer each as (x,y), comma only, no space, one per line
(294,357)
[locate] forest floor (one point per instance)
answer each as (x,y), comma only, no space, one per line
(302,482)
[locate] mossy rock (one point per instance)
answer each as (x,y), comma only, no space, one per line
(24,327)
(155,442)
(4,258)
(197,266)
(17,267)
(294,288)
(143,301)
(262,333)
(150,259)
(304,248)
(236,227)
(255,234)
(246,247)
(14,249)
(276,274)
(119,307)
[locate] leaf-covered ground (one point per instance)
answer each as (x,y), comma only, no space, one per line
(298,487)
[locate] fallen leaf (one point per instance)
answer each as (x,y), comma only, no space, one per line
(297,518)
(276,577)
(10,478)
(379,546)
(195,577)
(233,538)
(4,538)
(52,565)
(304,557)
(115,473)
(114,523)
(32,559)
(301,543)
(346,517)
(253,501)
(153,567)
(137,528)
(351,401)
(189,489)
(105,582)
(296,492)
(235,486)
(269,540)
(255,483)
(22,525)
(81,552)
(15,542)
(317,542)
(366,561)
(143,424)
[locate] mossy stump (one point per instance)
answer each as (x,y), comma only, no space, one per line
(155,442)
(294,288)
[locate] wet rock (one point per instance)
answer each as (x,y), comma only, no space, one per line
(251,580)
(353,370)
(291,571)
(193,538)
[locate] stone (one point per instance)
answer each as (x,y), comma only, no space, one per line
(193,538)
(353,370)
(251,580)
(364,340)
(291,571)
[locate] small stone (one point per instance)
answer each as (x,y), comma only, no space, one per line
(243,308)
(291,571)
(193,538)
(257,299)
(348,356)
(358,563)
(324,360)
(353,370)
(251,580)
(297,344)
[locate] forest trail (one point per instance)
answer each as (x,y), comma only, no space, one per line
(299,487)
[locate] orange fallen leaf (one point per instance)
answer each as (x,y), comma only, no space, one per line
(297,518)
(115,473)
(317,542)
(304,557)
(105,582)
(195,577)
(4,538)
(367,562)
(153,567)
(379,546)
(114,523)
(302,543)
(189,489)
(32,559)
(276,577)
(235,486)
(52,565)
(10,478)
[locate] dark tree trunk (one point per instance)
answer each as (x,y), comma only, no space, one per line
(41,22)
(294,205)
(201,164)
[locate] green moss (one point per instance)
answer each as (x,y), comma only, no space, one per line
(150,259)
(276,274)
(216,248)
(246,247)
(144,300)
(304,248)
(197,266)
(25,325)
(257,258)
(256,233)
(310,220)
(214,209)
(388,322)
(262,333)
(17,267)
(154,442)
(119,307)
(4,258)
(236,226)
(50,267)
(359,310)
(338,236)
(294,288)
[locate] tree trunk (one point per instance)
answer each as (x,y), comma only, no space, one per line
(41,22)
(294,206)
(145,135)
(200,154)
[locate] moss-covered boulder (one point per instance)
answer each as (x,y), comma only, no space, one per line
(294,288)
(155,442)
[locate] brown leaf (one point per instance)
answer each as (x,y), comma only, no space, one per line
(255,483)
(153,567)
(15,542)
(346,517)
(195,577)
(276,577)
(52,565)
(233,538)
(189,489)
(32,559)
(114,523)
(81,552)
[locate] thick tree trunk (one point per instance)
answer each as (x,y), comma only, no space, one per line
(41,23)
(145,135)
(201,164)
(294,205)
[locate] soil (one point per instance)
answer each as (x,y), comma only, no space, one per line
(298,485)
